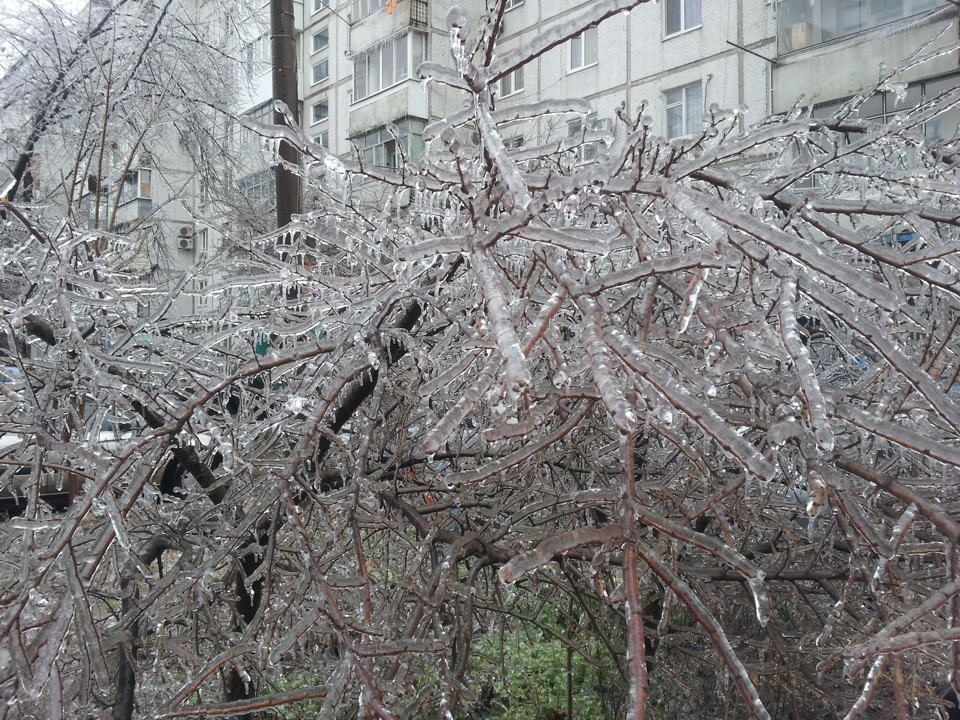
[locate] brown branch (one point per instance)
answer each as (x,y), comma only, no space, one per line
(712,627)
(473,544)
(242,707)
(550,548)
(943,522)
(151,550)
(636,651)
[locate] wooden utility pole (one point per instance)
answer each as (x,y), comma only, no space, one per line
(283,51)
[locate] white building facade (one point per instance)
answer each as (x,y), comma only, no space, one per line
(674,60)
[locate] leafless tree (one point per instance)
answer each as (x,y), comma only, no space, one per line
(687,410)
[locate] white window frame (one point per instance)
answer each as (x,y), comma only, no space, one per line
(136,185)
(323,139)
(257,56)
(364,8)
(259,186)
(397,60)
(380,148)
(511,83)
(325,106)
(319,5)
(576,133)
(691,117)
(201,300)
(262,113)
(686,24)
(314,77)
(511,4)
(323,32)
(581,54)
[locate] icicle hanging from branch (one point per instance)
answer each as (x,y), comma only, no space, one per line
(806,373)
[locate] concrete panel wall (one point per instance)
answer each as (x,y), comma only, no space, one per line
(843,68)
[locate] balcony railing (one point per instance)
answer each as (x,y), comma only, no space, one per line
(419,13)
(804,23)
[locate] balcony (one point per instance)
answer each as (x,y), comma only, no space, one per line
(379,24)
(805,23)
(407,99)
(135,200)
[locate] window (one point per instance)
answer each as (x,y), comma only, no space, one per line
(323,139)
(885,106)
(583,49)
(321,111)
(321,71)
(201,300)
(802,23)
(382,149)
(321,39)
(511,83)
(257,56)
(946,125)
(262,113)
(511,4)
(259,186)
(385,66)
(136,185)
(576,132)
(680,15)
(684,110)
(362,8)
(319,5)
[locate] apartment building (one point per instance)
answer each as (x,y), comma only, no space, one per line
(357,78)
(117,156)
(674,60)
(358,61)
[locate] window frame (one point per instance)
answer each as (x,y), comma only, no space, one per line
(685,26)
(687,121)
(314,79)
(201,300)
(325,104)
(361,9)
(379,148)
(508,85)
(884,106)
(322,32)
(136,185)
(512,4)
(256,60)
(400,66)
(577,129)
(581,41)
(259,186)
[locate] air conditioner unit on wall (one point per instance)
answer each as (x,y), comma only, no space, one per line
(185,237)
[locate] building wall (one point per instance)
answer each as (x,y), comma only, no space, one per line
(638,62)
(733,56)
(845,66)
